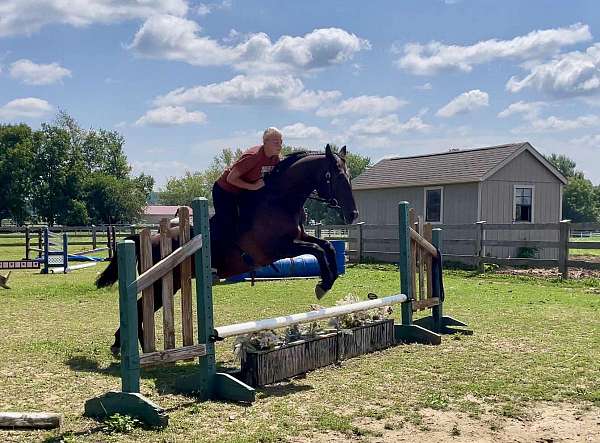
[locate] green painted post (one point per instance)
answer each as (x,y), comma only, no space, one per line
(202,382)
(130,354)
(408,331)
(405,261)
(129,401)
(207,382)
(437,311)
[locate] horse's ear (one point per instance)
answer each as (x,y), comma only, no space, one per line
(328,151)
(342,152)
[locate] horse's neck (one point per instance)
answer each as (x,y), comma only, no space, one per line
(300,180)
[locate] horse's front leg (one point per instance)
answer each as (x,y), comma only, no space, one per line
(300,247)
(329,252)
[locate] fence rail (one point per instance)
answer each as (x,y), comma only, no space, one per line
(366,241)
(92,237)
(379,242)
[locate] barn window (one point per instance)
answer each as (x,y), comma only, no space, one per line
(433,205)
(523,207)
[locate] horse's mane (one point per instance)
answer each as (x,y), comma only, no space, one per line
(288,161)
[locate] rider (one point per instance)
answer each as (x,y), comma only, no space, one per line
(245,174)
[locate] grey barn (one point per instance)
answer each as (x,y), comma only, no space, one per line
(503,184)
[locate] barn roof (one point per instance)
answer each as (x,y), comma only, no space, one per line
(455,166)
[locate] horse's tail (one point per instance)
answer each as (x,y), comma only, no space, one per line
(110,275)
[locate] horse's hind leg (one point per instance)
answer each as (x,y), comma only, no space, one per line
(302,247)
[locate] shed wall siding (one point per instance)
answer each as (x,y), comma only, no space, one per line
(497,203)
(380,206)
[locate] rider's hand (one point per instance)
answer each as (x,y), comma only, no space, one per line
(260,183)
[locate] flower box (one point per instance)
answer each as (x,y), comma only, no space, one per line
(260,368)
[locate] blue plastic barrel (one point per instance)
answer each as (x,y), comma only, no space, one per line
(305,265)
(340,255)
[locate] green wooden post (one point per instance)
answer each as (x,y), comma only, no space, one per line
(207,383)
(201,383)
(206,326)
(129,401)
(130,354)
(437,311)
(408,331)
(405,261)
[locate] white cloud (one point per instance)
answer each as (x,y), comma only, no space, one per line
(571,74)
(301,131)
(388,125)
(206,8)
(364,104)
(308,99)
(32,73)
(175,38)
(424,87)
(464,103)
(170,116)
(529,110)
(592,141)
(29,107)
(28,16)
(242,90)
(557,124)
(372,141)
(435,56)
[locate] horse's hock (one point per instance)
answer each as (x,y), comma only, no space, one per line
(421,288)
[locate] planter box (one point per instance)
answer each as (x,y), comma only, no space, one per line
(265,367)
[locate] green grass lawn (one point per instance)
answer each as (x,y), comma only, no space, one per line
(534,340)
(588,252)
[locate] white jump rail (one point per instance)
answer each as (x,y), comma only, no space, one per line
(222,332)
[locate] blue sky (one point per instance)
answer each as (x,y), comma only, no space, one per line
(181,80)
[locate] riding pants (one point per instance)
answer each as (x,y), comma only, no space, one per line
(226,212)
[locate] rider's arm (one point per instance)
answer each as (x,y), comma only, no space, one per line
(240,168)
(235,179)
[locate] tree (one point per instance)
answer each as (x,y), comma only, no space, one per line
(564,164)
(181,191)
(58,174)
(15,172)
(581,202)
(112,200)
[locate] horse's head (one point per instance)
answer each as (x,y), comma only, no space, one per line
(335,186)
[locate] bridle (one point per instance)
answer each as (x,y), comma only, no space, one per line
(329,200)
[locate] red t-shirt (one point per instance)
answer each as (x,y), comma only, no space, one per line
(252,165)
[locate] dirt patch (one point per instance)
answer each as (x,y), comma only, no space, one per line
(543,423)
(554,272)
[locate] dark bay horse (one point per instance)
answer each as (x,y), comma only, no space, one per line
(270,224)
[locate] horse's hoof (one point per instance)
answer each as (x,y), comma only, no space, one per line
(320,292)
(115,351)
